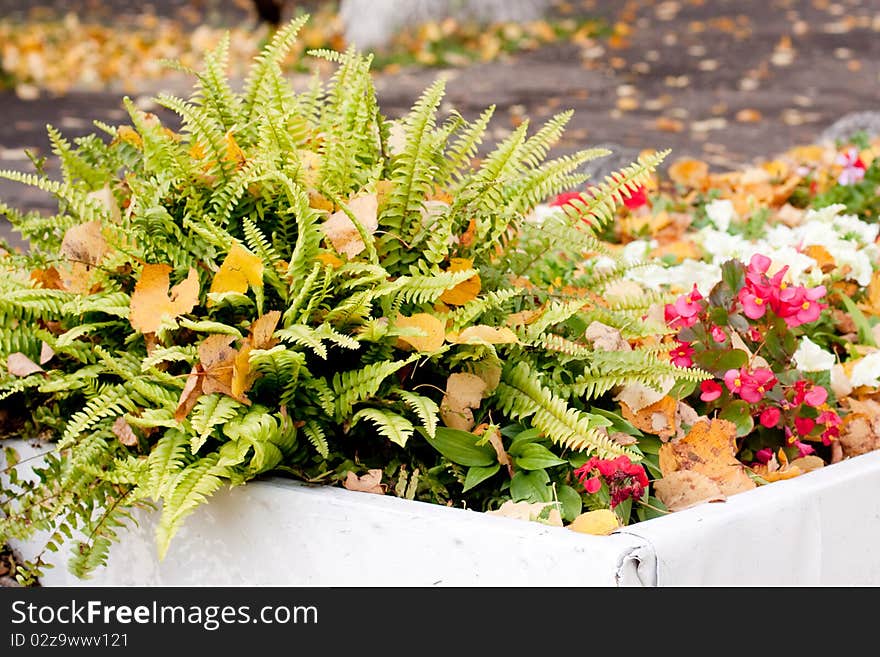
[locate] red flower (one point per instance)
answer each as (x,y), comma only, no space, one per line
(710,390)
(637,199)
(764,455)
(592,485)
(803,448)
(717,333)
(804,425)
(770,417)
(565,199)
(756,384)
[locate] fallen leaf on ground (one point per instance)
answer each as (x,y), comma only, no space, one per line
(530,511)
(464,392)
(46,353)
(432,329)
(710,449)
(606,338)
(20,365)
(690,173)
(260,338)
(484,334)
(190,394)
(599,523)
(83,247)
(152,301)
(341,231)
(466,290)
(860,431)
(124,432)
(239,270)
(367,483)
(685,488)
(637,395)
(657,418)
(217,358)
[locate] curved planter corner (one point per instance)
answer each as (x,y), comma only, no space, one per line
(818,529)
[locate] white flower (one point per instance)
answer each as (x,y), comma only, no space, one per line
(810,357)
(797,262)
(721,213)
(722,246)
(678,278)
(541,213)
(866,371)
(637,250)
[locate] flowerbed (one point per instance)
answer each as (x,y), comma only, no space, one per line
(294,284)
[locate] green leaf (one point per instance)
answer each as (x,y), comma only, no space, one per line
(863,326)
(477,475)
(460,447)
(531,487)
(716,360)
(617,422)
(525,438)
(532,456)
(571,502)
(740,413)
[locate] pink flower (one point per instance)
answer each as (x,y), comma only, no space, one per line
(809,309)
(755,300)
(755,334)
(770,417)
(803,448)
(710,390)
(717,333)
(637,199)
(816,396)
(733,380)
(756,384)
(804,425)
(681,355)
(751,385)
(759,264)
(853,167)
(764,455)
(688,305)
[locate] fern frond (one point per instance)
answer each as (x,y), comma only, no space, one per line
(391,425)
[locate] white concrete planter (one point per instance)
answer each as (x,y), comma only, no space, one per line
(818,529)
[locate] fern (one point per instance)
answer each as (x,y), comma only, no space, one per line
(391,425)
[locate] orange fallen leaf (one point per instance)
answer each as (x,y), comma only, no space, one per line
(464,392)
(48,279)
(689,173)
(657,418)
(872,302)
(431,332)
(190,394)
(260,338)
(481,333)
(666,124)
(464,291)
(710,449)
(685,488)
(860,430)
(217,358)
(821,256)
(749,116)
(151,300)
(367,483)
(234,153)
(239,270)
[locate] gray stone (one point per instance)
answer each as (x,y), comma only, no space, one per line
(846,126)
(372,23)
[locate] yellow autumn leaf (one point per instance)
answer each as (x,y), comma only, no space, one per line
(464,392)
(690,173)
(466,290)
(239,270)
(83,247)
(428,335)
(710,449)
(482,334)
(599,523)
(234,153)
(260,338)
(151,300)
